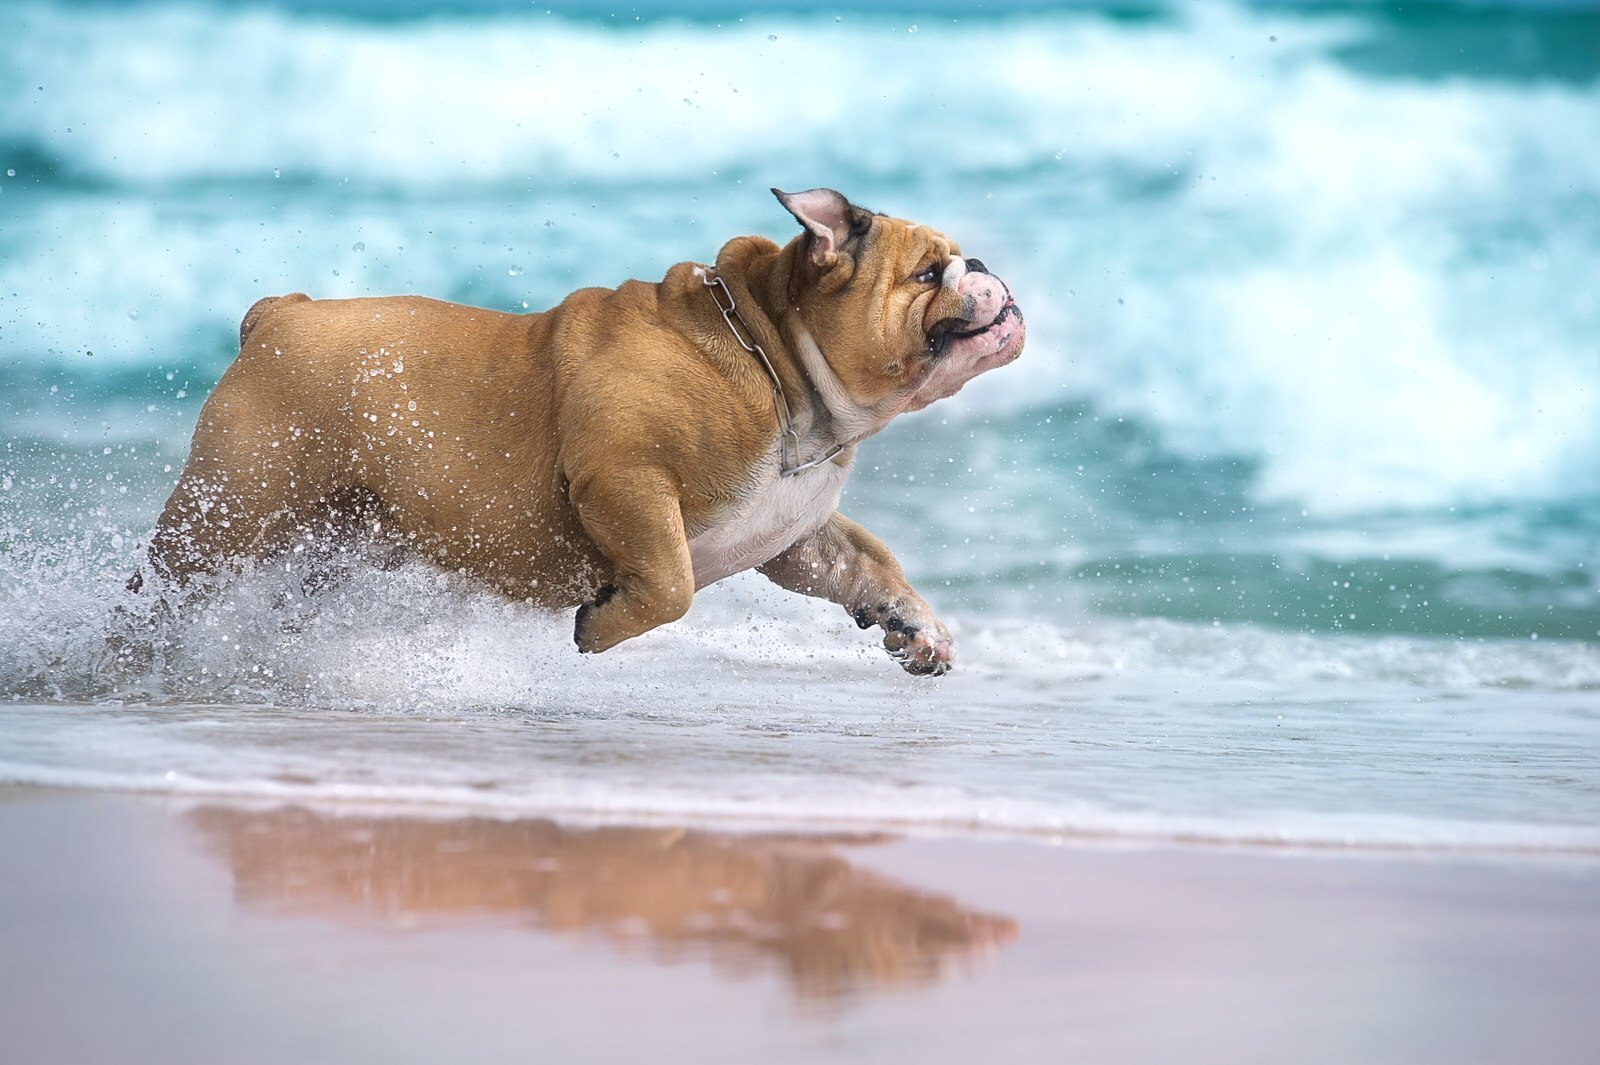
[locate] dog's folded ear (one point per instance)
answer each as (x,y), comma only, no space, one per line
(830,219)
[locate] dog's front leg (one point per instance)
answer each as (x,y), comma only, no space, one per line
(845,564)
(635,519)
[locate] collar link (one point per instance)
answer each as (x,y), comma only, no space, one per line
(788,437)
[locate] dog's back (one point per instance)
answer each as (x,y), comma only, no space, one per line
(439,411)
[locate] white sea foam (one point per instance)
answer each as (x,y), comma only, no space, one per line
(418,637)
(413,686)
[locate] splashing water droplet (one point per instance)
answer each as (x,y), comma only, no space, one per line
(359,246)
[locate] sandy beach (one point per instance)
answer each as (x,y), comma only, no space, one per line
(150,929)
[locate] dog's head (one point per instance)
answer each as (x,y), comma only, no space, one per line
(901,317)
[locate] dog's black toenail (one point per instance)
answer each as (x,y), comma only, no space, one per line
(926,669)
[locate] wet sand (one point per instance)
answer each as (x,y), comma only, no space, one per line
(138,929)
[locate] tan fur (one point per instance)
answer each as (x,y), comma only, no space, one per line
(564,457)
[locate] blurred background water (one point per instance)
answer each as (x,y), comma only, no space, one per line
(1286,525)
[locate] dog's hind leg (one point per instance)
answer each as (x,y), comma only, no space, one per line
(220,518)
(245,493)
(248,484)
(225,511)
(349,528)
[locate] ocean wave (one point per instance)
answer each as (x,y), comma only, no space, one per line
(1215,223)
(1257,100)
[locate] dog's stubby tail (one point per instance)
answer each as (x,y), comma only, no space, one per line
(260,308)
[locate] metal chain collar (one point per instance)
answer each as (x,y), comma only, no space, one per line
(789,462)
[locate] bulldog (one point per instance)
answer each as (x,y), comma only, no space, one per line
(615,453)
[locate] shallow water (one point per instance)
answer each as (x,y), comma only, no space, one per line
(1284,528)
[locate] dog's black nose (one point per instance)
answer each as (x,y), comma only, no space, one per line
(975,266)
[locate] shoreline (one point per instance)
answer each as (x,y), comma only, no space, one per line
(350,799)
(141,927)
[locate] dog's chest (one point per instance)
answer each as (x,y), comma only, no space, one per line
(772,513)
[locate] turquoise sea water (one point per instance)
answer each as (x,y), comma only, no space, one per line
(1285,526)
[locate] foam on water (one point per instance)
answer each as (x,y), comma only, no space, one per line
(410,685)
(420,637)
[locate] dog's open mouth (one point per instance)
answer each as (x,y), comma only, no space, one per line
(1006,311)
(945,332)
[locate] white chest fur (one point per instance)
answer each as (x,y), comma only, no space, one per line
(773,512)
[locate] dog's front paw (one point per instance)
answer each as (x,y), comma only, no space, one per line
(922,652)
(585,631)
(914,638)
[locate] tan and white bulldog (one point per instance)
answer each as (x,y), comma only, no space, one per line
(617,452)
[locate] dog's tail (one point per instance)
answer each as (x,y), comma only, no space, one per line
(259,309)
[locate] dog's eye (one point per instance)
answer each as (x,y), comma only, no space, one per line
(929,274)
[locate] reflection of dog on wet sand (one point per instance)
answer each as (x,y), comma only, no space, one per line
(616,452)
(735,898)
